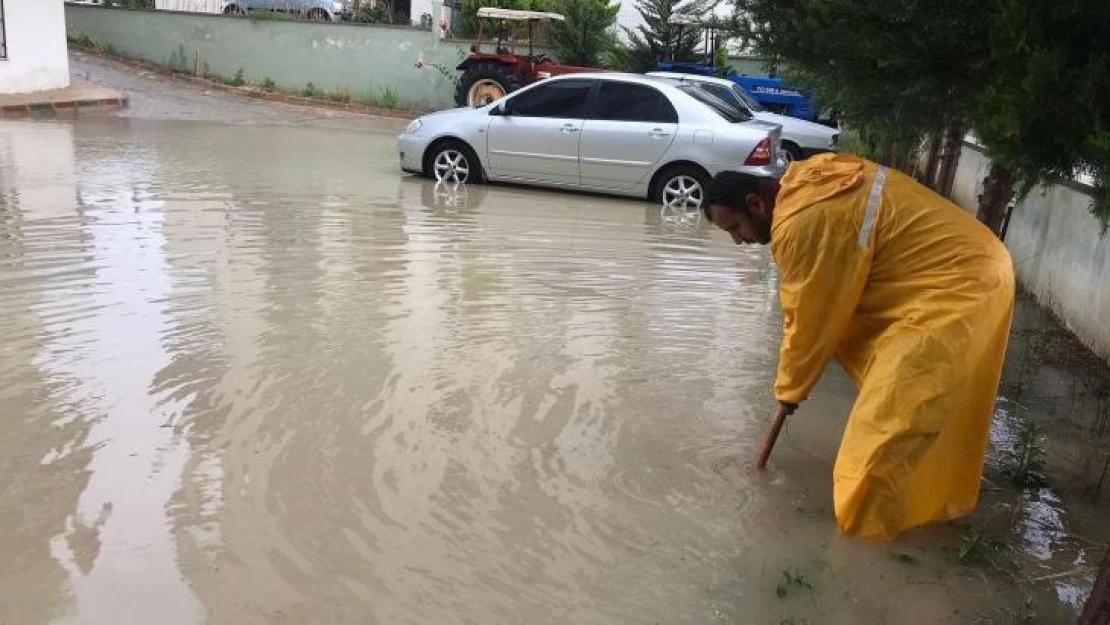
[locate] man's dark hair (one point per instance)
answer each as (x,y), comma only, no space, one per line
(729,188)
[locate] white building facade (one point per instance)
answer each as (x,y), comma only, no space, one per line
(33,53)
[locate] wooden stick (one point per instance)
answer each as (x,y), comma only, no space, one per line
(772,436)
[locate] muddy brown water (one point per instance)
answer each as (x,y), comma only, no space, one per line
(254,375)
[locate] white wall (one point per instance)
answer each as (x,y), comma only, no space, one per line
(36,38)
(1059,254)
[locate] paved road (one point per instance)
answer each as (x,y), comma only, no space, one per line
(157,97)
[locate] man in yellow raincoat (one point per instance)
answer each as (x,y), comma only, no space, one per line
(914,297)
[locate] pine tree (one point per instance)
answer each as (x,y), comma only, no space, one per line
(1029,77)
(658,40)
(587,34)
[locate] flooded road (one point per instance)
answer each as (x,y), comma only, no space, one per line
(251,374)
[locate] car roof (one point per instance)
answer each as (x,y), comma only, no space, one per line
(691,78)
(640,79)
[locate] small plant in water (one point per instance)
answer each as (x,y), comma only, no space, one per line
(268,84)
(976,544)
(1024,465)
(310,91)
(238,79)
(792,578)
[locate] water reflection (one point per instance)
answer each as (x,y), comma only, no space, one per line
(271,379)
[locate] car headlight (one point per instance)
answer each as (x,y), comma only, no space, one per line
(834,141)
(414,127)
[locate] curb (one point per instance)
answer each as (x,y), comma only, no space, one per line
(62,107)
(252,92)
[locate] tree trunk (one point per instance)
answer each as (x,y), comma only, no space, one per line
(950,157)
(1097,609)
(998,190)
(932,161)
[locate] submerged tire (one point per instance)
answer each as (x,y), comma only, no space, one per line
(454,163)
(482,83)
(681,188)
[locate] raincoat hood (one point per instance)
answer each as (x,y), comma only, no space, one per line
(810,181)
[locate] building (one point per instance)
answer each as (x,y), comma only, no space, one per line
(33,54)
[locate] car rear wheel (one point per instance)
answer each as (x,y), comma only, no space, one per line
(233,9)
(791,152)
(682,188)
(319,15)
(482,83)
(453,162)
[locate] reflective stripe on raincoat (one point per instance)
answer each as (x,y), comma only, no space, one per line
(914,297)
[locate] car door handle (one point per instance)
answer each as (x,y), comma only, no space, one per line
(658,133)
(570,128)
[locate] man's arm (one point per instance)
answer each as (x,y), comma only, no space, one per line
(824,271)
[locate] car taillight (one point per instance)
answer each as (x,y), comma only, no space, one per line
(762,153)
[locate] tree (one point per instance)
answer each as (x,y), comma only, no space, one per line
(587,33)
(657,39)
(1029,77)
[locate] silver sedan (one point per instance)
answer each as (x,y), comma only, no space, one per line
(611,133)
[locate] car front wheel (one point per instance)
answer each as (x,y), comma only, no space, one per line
(453,162)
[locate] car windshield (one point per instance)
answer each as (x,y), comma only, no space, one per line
(747,99)
(731,114)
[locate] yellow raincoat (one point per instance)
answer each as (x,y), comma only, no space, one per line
(914,297)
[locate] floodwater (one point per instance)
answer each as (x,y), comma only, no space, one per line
(252,374)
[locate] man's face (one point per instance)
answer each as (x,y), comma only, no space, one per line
(745,227)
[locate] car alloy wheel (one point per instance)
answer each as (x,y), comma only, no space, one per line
(683,192)
(451,166)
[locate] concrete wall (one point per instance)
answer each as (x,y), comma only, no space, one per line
(1059,254)
(35,32)
(751,66)
(331,56)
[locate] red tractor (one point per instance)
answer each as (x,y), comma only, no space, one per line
(487,76)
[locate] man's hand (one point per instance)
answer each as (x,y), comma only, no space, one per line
(787,408)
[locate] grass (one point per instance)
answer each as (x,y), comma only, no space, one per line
(267,15)
(268,84)
(338,95)
(383,98)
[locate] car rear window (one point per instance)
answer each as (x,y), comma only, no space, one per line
(730,113)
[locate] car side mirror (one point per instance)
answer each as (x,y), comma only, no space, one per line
(501,110)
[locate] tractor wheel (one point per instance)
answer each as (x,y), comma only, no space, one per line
(483,83)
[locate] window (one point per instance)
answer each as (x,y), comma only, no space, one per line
(721,93)
(747,99)
(3,34)
(560,98)
(628,102)
(729,113)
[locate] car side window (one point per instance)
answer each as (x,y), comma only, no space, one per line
(560,98)
(628,102)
